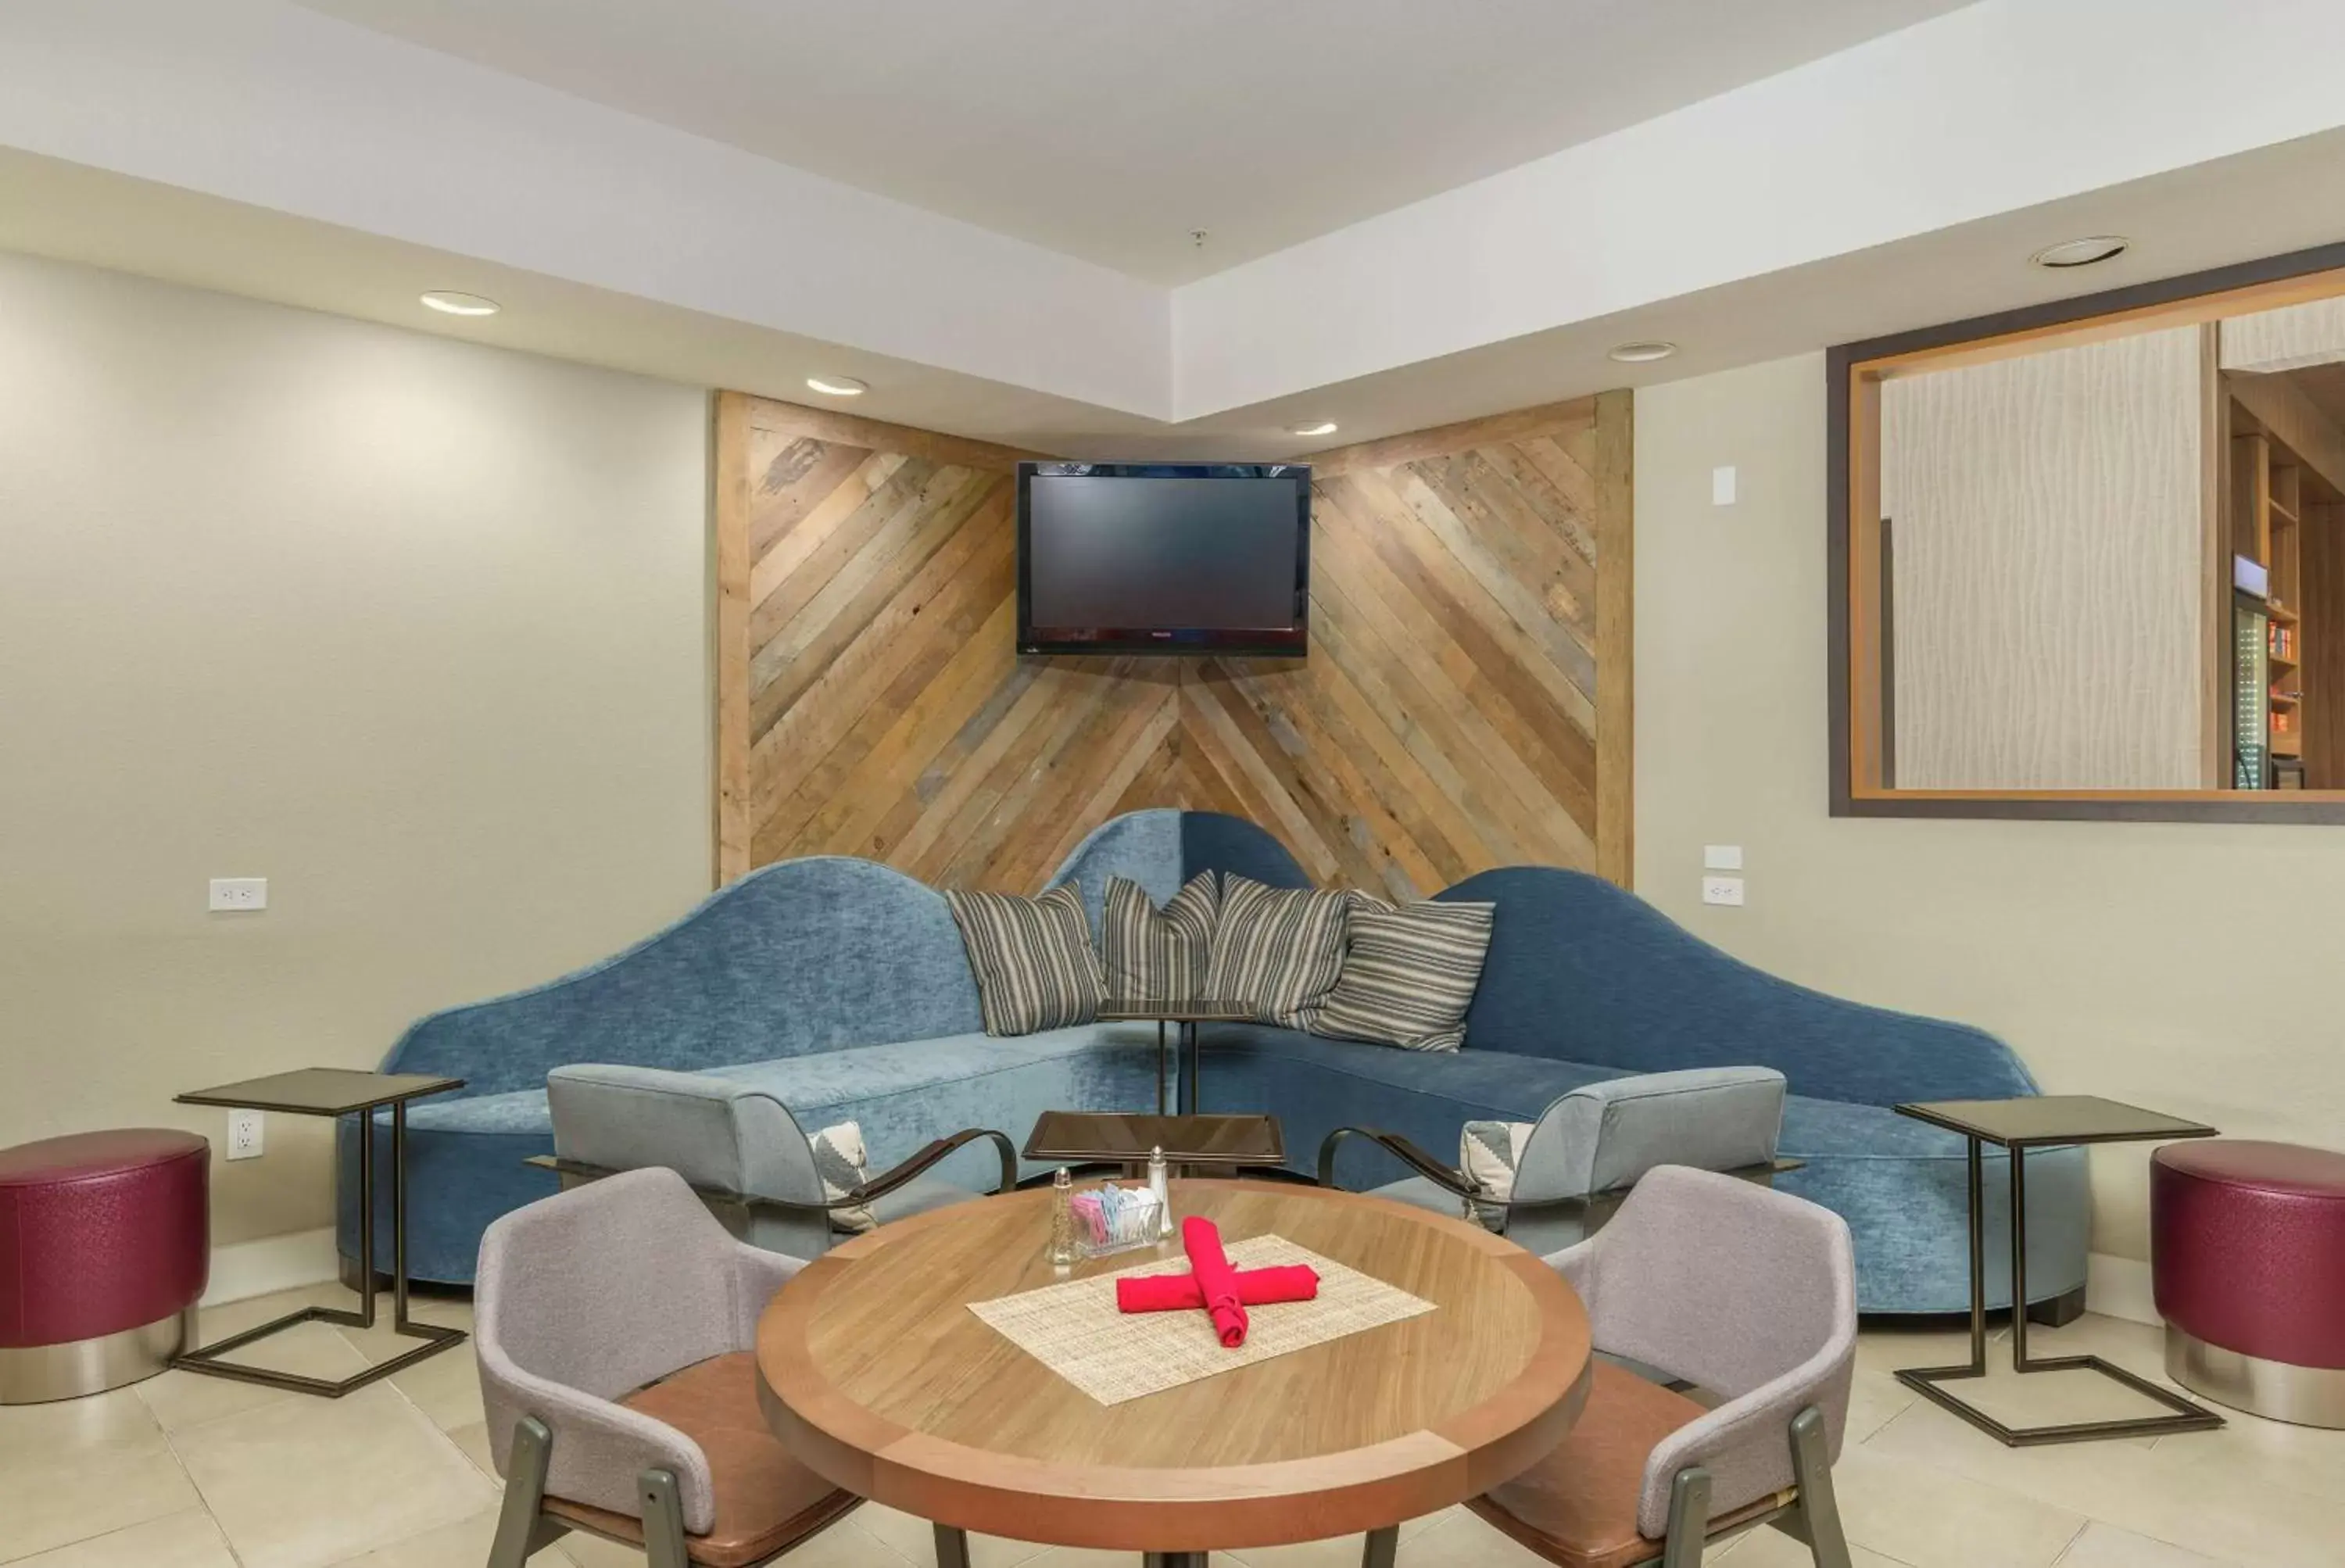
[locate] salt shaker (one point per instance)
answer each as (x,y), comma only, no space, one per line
(1063,1219)
(1159,1184)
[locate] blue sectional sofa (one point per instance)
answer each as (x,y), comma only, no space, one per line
(841,986)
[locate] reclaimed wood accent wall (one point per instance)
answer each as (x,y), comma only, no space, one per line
(1465,704)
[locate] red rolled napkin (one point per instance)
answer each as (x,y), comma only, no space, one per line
(1209,1266)
(1180,1292)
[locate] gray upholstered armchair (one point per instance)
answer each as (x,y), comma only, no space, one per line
(740,1148)
(1572,1168)
(1742,1292)
(614,1328)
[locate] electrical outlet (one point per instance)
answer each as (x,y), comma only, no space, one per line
(1722,486)
(245,1134)
(1721,857)
(240,893)
(1725,890)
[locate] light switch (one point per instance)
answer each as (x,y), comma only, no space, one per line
(1725,890)
(240,893)
(1721,857)
(1722,486)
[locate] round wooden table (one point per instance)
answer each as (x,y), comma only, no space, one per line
(876,1374)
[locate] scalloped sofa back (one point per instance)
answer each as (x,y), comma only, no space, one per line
(841,986)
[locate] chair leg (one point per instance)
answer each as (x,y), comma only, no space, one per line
(1819,1504)
(952,1546)
(1689,1519)
(663,1515)
(521,1525)
(1383,1547)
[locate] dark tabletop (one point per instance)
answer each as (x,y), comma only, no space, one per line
(1084,1135)
(2053,1119)
(322,1091)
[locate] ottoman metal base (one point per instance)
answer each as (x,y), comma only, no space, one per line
(35,1374)
(2302,1396)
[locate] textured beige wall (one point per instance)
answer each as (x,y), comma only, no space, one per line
(2049,547)
(413,628)
(2189,967)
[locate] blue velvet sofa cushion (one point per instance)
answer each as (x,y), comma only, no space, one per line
(1580,970)
(801,957)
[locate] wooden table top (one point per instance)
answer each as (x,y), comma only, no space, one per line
(875,1373)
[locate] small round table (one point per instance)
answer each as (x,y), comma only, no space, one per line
(874,1373)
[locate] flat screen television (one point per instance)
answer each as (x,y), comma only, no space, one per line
(1163,557)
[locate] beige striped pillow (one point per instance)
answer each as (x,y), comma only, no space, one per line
(1277,951)
(1408,974)
(1158,955)
(1033,957)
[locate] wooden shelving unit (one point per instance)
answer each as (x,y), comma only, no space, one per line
(2274,492)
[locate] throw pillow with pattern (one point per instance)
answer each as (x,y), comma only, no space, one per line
(1408,974)
(1158,955)
(1487,1153)
(1033,957)
(838,1161)
(1277,951)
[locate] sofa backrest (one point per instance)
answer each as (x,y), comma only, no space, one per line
(799,957)
(1580,970)
(1163,847)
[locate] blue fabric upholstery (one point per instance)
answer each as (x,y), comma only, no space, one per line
(1142,847)
(1217,841)
(1583,970)
(843,987)
(802,956)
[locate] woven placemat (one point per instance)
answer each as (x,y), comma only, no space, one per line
(1075,1329)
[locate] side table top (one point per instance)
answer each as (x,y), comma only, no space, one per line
(2031,1119)
(321,1091)
(874,1372)
(1086,1136)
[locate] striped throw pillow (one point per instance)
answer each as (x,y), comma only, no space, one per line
(1033,957)
(1277,951)
(1158,955)
(1408,974)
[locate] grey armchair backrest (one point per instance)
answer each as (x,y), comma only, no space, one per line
(717,1135)
(1602,1137)
(591,1293)
(1749,1293)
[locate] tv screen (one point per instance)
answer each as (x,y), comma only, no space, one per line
(1133,558)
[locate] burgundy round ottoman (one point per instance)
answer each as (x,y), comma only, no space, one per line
(2247,1255)
(104,1246)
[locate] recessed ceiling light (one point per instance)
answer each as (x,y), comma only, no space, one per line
(1324,427)
(2082,252)
(450,302)
(1643,352)
(837,386)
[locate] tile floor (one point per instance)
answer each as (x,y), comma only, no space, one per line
(183,1472)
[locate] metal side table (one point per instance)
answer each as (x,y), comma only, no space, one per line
(1187,1015)
(338,1091)
(2043,1121)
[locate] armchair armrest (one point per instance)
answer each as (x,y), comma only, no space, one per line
(600,1447)
(880,1185)
(1448,1178)
(1745,1443)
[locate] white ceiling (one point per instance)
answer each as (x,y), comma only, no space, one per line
(1108,129)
